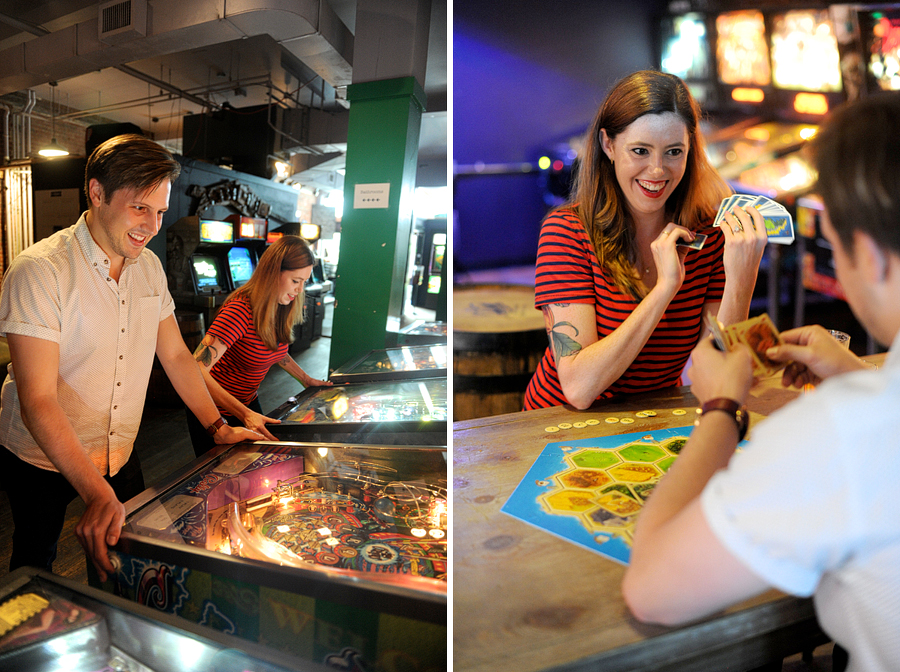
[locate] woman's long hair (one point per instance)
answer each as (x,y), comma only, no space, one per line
(598,199)
(274,322)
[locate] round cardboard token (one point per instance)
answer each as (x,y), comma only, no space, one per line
(626,421)
(612,421)
(679,411)
(649,414)
(565,425)
(551,429)
(640,414)
(592,421)
(579,425)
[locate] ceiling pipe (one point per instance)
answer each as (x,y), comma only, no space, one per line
(309,29)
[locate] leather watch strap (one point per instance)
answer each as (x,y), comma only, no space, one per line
(216,426)
(737,411)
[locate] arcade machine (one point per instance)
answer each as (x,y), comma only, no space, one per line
(777,73)
(431,247)
(328,552)
(754,85)
(197,265)
(51,623)
(879,31)
(686,54)
(878,35)
(250,235)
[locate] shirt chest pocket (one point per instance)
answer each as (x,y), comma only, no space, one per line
(148,317)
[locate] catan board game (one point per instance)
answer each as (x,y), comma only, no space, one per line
(590,491)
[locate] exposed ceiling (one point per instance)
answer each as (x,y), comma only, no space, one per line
(299,53)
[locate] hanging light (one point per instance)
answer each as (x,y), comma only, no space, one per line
(54,148)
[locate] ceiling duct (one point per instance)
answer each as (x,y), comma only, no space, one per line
(308,29)
(121,21)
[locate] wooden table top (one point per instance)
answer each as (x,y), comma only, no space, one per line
(525,600)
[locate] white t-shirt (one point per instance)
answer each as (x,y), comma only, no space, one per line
(60,290)
(812,505)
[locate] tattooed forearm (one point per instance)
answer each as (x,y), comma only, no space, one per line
(561,343)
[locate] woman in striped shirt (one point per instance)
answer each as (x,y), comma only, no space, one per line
(624,306)
(252,331)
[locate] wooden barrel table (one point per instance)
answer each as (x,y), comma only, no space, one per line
(498,341)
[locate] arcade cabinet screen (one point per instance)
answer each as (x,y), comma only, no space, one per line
(438,250)
(240,264)
(207,272)
(881,33)
(742,54)
(805,52)
(253,229)
(685,50)
(212,231)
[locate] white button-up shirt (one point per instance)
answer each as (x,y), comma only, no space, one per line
(60,290)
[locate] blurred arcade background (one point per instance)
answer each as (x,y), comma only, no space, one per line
(528,77)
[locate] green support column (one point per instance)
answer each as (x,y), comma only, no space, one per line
(382,148)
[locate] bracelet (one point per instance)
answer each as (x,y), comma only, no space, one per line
(735,410)
(216,426)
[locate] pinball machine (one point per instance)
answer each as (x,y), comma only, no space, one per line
(320,550)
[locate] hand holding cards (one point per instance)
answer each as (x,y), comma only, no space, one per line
(695,244)
(758,333)
(779,225)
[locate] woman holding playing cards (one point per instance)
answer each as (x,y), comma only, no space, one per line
(622,291)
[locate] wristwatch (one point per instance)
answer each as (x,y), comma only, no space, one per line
(216,426)
(737,412)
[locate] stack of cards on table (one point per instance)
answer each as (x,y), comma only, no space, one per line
(759,333)
(779,225)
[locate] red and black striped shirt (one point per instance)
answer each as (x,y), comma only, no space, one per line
(247,359)
(568,271)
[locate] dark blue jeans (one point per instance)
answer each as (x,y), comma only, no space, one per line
(38,499)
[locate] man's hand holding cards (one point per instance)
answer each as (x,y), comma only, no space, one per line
(757,333)
(779,225)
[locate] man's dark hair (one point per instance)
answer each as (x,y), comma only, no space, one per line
(857,156)
(129,162)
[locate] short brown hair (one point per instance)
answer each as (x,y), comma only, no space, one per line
(857,158)
(129,161)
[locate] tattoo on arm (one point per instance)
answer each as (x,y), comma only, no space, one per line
(205,353)
(561,343)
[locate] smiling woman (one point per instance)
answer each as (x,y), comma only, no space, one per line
(251,332)
(623,297)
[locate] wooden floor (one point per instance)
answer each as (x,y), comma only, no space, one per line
(161,454)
